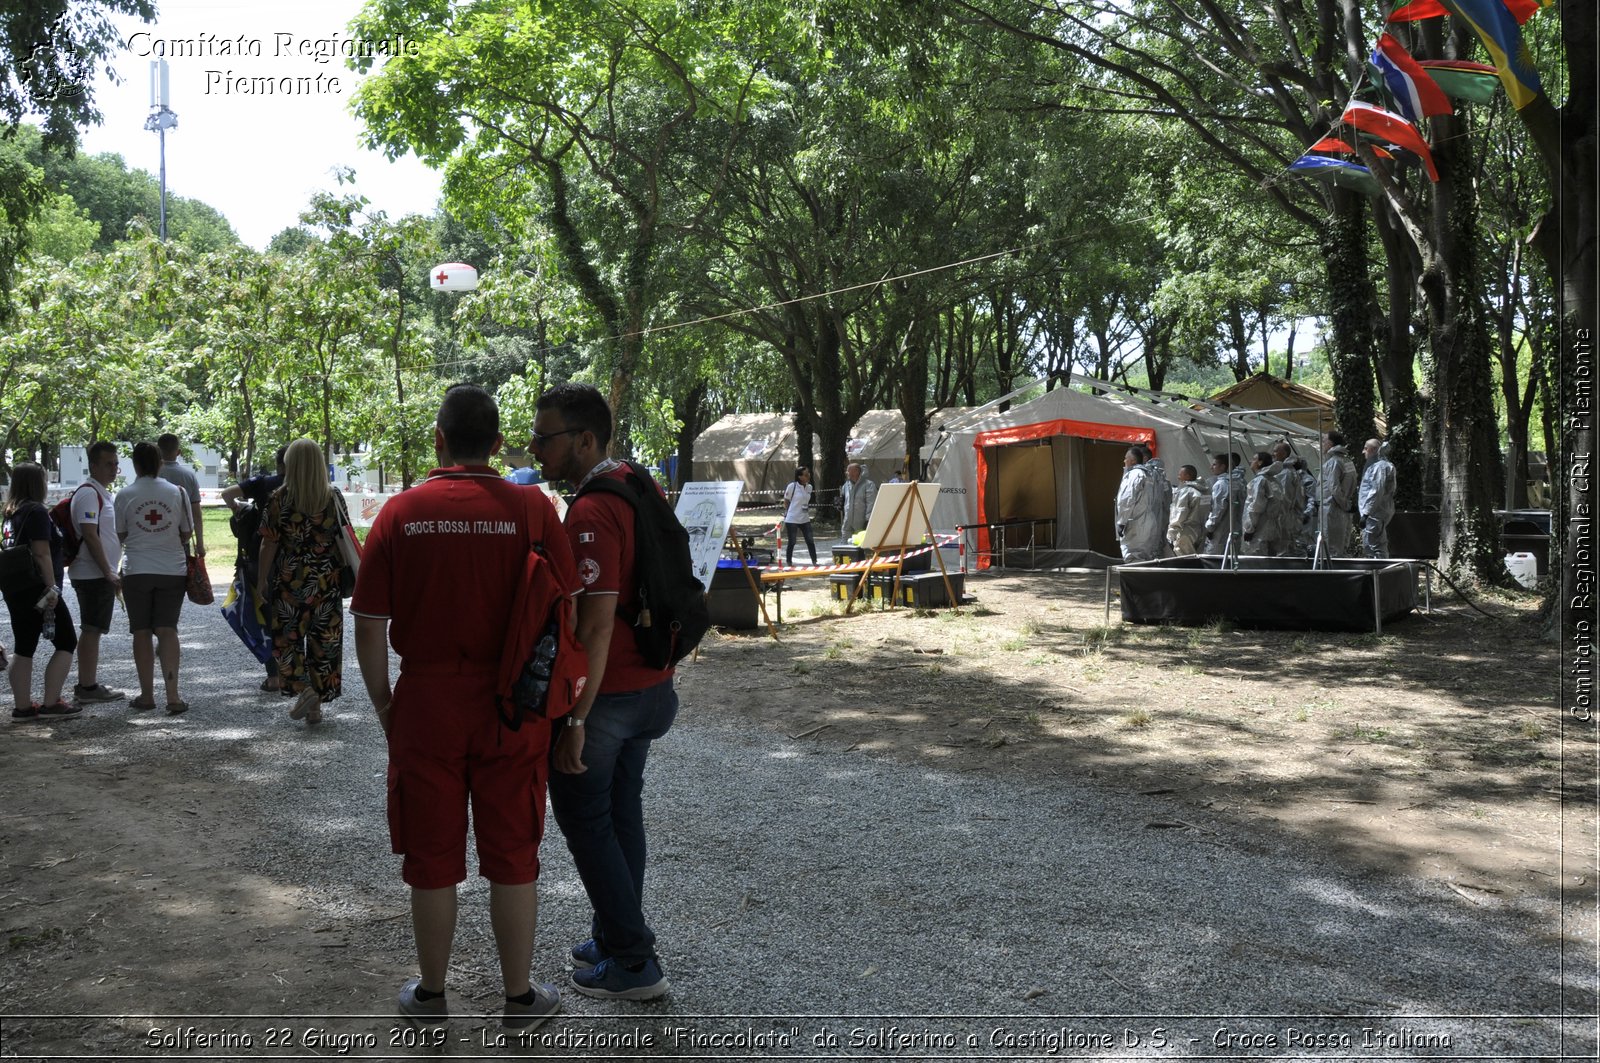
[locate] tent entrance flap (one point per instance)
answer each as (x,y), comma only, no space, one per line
(1063,470)
(1024,489)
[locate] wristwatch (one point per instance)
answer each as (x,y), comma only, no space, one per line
(574,721)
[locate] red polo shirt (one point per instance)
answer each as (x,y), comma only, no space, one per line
(443,560)
(601,530)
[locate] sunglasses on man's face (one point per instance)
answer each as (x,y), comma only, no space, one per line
(538,440)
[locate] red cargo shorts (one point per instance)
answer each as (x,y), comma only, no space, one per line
(447,748)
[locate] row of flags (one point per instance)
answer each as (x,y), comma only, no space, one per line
(1420,89)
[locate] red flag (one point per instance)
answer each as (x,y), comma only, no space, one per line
(1417,10)
(1343,148)
(1386,125)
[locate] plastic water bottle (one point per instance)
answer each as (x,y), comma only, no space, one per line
(47,606)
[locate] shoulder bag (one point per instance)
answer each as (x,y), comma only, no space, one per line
(349,548)
(19,570)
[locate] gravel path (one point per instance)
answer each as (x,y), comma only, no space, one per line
(811,903)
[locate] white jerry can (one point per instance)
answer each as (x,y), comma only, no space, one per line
(1524,568)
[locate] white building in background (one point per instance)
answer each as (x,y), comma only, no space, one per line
(209,466)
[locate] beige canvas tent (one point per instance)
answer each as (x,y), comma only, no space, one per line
(878,440)
(1059,458)
(760,449)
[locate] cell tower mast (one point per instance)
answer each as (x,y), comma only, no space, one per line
(161,119)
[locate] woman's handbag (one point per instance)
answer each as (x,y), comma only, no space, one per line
(199,585)
(19,571)
(349,550)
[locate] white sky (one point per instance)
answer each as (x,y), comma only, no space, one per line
(256,159)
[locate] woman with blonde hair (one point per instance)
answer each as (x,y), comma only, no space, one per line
(35,603)
(299,587)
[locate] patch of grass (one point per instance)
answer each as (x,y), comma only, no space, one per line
(800,668)
(1371,640)
(922,613)
(1038,660)
(1031,627)
(1033,719)
(1365,733)
(48,936)
(1091,674)
(983,610)
(1532,729)
(1014,645)
(1194,669)
(1137,718)
(1301,715)
(936,669)
(1096,639)
(1300,644)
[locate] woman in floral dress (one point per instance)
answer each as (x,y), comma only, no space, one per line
(300,566)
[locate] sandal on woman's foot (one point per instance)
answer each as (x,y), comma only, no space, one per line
(303,704)
(142,704)
(177,708)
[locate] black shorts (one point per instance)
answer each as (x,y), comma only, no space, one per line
(95,598)
(153,601)
(27,623)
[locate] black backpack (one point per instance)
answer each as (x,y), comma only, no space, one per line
(670,617)
(246,527)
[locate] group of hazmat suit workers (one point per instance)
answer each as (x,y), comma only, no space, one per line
(1277,512)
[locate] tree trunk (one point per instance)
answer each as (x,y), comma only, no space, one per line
(1469,453)
(1350,300)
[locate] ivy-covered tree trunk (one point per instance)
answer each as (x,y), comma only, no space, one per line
(1351,298)
(1469,452)
(1403,407)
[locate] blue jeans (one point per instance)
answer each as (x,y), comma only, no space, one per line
(601,813)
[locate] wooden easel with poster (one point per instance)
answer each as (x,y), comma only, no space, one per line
(900,522)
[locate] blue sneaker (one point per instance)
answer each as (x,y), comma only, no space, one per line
(586,955)
(609,980)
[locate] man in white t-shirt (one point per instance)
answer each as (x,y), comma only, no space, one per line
(94,571)
(174,471)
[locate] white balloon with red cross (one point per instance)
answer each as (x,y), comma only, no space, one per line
(453,277)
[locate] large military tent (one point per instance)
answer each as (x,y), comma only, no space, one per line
(878,440)
(762,449)
(1059,458)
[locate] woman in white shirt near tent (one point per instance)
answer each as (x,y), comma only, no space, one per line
(797,517)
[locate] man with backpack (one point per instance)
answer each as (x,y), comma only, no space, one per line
(439,580)
(598,758)
(93,568)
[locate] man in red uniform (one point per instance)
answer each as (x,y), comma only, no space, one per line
(438,575)
(597,785)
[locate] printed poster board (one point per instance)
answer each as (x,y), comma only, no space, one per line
(706,512)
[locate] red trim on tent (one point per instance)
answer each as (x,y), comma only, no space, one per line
(1000,437)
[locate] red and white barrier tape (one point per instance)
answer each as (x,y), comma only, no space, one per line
(862,565)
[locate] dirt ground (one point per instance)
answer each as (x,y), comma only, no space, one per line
(1435,750)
